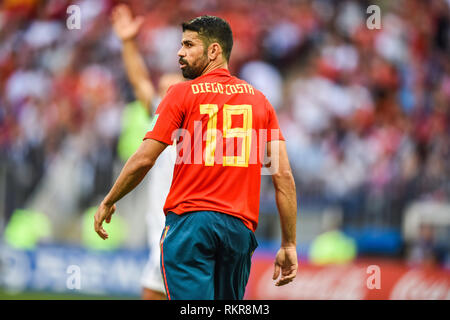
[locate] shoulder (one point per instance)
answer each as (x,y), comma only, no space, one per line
(257,93)
(261,97)
(177,92)
(179,87)
(265,103)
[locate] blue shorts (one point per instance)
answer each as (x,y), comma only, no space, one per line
(205,255)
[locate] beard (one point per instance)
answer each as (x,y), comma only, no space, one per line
(192,71)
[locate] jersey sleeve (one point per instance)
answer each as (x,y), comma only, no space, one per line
(168,117)
(273,128)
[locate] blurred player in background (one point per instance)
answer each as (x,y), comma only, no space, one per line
(213,204)
(126,28)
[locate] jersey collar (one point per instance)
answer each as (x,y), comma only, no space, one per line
(217,72)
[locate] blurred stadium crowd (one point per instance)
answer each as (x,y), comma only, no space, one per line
(366,113)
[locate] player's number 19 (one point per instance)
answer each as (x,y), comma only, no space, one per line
(245,132)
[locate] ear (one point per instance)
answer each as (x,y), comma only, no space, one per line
(214,51)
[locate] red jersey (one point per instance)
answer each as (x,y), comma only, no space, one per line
(221,125)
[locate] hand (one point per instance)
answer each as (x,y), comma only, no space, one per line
(104,213)
(125,26)
(286,262)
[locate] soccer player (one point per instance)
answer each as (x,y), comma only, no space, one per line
(221,125)
(126,28)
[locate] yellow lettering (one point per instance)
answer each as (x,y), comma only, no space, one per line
(201,88)
(208,87)
(195,89)
(245,133)
(211,133)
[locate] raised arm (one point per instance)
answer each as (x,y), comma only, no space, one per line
(286,199)
(126,28)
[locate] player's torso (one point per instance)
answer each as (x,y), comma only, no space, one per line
(224,119)
(219,150)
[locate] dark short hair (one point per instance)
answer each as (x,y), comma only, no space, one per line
(212,29)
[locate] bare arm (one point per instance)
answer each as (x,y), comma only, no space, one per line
(286,199)
(138,74)
(126,28)
(131,175)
